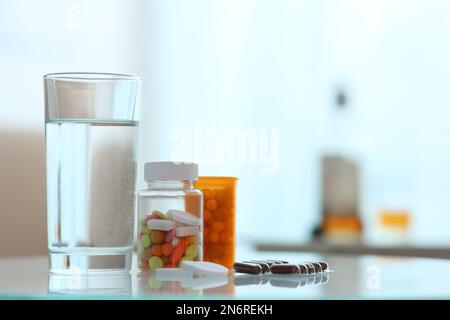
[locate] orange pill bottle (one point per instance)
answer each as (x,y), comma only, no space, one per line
(219,219)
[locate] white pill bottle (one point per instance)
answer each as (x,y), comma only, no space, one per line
(170,216)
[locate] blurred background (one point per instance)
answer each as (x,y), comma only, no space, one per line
(341,108)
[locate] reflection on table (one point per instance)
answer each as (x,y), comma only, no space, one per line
(148,284)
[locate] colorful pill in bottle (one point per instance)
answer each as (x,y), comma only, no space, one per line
(219,219)
(170,213)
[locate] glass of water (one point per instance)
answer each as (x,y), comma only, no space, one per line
(91,124)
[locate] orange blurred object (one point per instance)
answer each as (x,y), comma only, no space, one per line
(219,200)
(351,223)
(394,218)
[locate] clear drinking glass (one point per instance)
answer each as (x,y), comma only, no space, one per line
(91,140)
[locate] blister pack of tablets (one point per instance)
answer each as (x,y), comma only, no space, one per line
(281,267)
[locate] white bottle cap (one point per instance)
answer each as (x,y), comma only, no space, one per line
(170,171)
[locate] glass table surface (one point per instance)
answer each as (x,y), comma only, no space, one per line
(353,277)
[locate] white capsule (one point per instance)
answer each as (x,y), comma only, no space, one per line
(204,268)
(183,217)
(186,231)
(159,224)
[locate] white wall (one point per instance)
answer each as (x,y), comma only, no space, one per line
(244,65)
(274,64)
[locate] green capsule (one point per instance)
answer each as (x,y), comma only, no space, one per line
(155,262)
(146,230)
(145,241)
(191,251)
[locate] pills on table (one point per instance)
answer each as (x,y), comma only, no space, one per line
(264,266)
(204,268)
(155,262)
(183,217)
(303,269)
(284,268)
(310,268)
(323,264)
(251,268)
(186,231)
(159,224)
(317,267)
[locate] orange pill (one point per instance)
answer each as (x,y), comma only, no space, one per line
(209,194)
(211,204)
(213,237)
(229,203)
(157,236)
(220,214)
(178,251)
(221,197)
(166,249)
(215,250)
(207,215)
(229,224)
(156,250)
(226,237)
(191,239)
(218,226)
